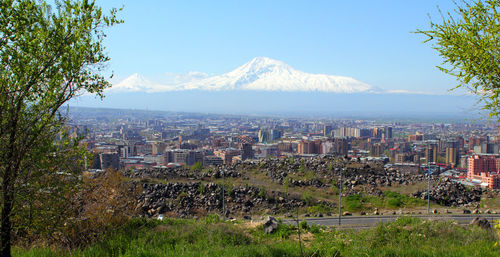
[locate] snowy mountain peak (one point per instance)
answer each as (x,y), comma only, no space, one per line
(260,62)
(262,65)
(260,74)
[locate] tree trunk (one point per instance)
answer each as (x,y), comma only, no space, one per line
(7,204)
(6,225)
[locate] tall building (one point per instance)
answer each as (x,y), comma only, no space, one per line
(327,130)
(109,160)
(484,170)
(246,152)
(275,134)
(343,132)
(489,147)
(376,150)
(377,132)
(417,137)
(388,132)
(183,156)
(452,153)
(263,136)
(476,141)
(341,146)
(431,153)
(157,148)
(305,147)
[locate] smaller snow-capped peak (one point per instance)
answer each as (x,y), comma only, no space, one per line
(135,82)
(138,83)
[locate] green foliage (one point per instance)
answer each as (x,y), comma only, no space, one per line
(286,183)
(47,57)
(318,208)
(198,166)
(390,199)
(303,225)
(315,229)
(302,168)
(468,43)
(262,193)
(212,219)
(308,197)
(354,202)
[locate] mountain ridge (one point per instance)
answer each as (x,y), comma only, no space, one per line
(259,74)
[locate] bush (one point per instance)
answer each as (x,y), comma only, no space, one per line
(354,202)
(315,229)
(308,198)
(212,219)
(104,203)
(198,166)
(303,225)
(318,208)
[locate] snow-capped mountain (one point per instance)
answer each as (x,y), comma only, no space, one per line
(260,74)
(266,74)
(138,83)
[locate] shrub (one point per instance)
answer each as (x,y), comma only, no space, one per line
(303,225)
(315,229)
(354,202)
(198,166)
(319,208)
(103,204)
(308,198)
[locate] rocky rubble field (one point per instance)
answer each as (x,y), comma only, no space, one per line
(191,199)
(177,197)
(453,194)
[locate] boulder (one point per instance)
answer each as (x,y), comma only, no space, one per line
(270,224)
(481,222)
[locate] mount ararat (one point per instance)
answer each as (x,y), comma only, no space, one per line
(260,74)
(266,86)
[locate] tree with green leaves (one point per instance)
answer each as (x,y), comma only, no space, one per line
(48,55)
(468,41)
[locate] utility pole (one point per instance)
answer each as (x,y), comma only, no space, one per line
(428,189)
(340,197)
(223,201)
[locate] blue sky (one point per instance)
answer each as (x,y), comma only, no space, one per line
(368,40)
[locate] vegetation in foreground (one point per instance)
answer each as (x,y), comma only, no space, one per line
(212,237)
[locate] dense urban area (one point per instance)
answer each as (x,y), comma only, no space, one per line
(278,164)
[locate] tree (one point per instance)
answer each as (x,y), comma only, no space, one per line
(48,55)
(470,47)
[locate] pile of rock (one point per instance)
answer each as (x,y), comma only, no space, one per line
(183,172)
(188,199)
(450,193)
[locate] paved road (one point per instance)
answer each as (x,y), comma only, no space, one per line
(362,221)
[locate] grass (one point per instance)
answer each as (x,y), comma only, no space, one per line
(213,237)
(493,203)
(409,237)
(390,200)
